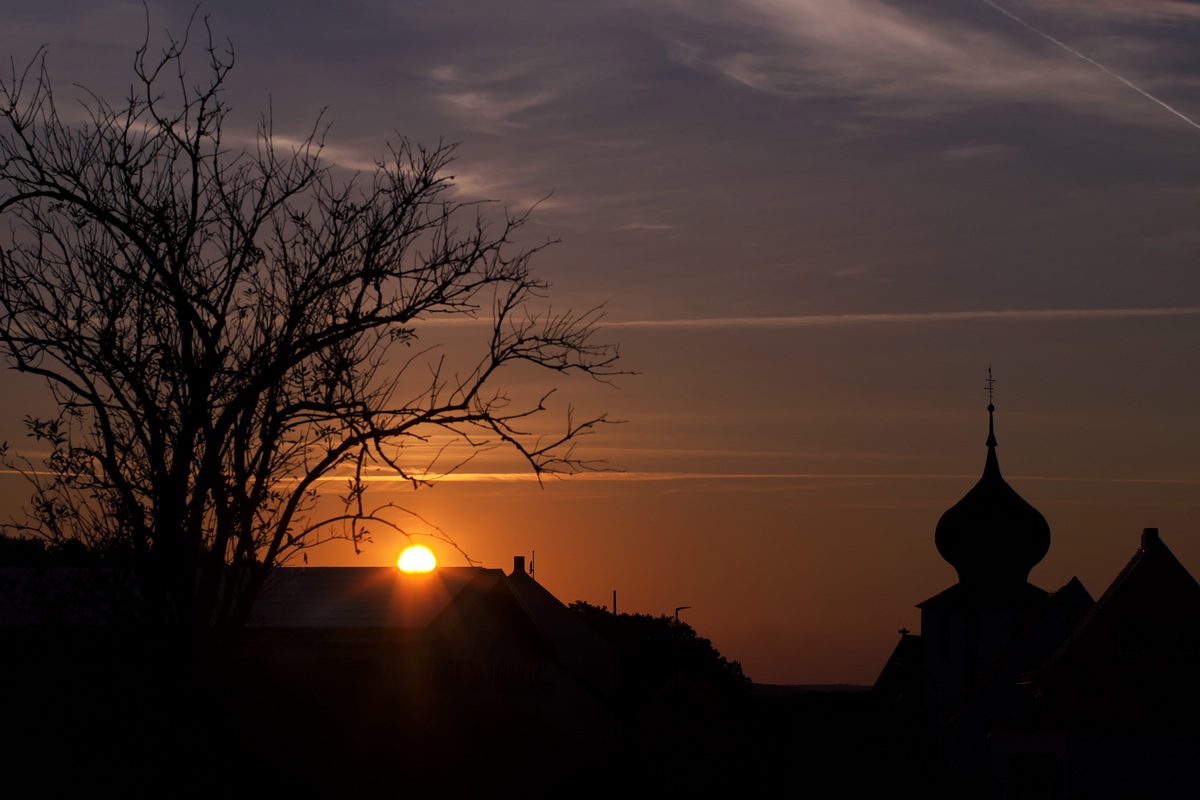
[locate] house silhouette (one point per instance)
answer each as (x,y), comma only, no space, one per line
(341,677)
(441,647)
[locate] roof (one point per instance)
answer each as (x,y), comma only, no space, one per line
(902,676)
(365,597)
(1132,660)
(1037,637)
(64,596)
(992,536)
(578,647)
(1135,578)
(1026,595)
(332,606)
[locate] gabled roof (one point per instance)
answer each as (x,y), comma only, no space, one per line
(902,676)
(381,602)
(293,598)
(366,597)
(1153,569)
(1132,662)
(315,602)
(35,597)
(578,647)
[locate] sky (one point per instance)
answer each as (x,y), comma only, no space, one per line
(812,226)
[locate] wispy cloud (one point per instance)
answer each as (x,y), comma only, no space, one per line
(1056,314)
(489,111)
(644,477)
(825,320)
(1115,76)
(904,61)
(867,47)
(1136,10)
(491,97)
(645,226)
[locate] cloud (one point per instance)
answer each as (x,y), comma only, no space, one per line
(903,61)
(865,47)
(826,320)
(646,226)
(1132,10)
(507,185)
(640,477)
(493,94)
(1098,65)
(644,477)
(490,111)
(1042,315)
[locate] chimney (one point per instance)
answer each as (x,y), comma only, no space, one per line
(518,565)
(1149,537)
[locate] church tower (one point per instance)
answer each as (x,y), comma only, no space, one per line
(993,538)
(1021,693)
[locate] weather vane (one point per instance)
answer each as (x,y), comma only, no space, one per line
(991,386)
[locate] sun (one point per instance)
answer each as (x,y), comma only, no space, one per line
(416,558)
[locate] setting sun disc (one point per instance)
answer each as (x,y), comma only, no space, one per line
(416,558)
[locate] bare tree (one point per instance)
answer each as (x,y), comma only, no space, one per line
(225,327)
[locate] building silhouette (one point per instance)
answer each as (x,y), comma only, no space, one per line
(1024,693)
(341,675)
(344,677)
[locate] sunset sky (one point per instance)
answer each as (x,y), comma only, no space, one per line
(813,225)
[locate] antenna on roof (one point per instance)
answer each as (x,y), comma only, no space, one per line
(532,561)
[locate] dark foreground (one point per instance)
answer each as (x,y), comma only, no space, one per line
(121,716)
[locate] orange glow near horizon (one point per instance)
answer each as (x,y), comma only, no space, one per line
(416,558)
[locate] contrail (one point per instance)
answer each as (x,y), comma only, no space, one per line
(1091,61)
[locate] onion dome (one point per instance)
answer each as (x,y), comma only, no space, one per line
(992,537)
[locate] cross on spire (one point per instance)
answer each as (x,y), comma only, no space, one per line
(991,390)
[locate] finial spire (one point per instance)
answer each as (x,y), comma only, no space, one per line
(991,390)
